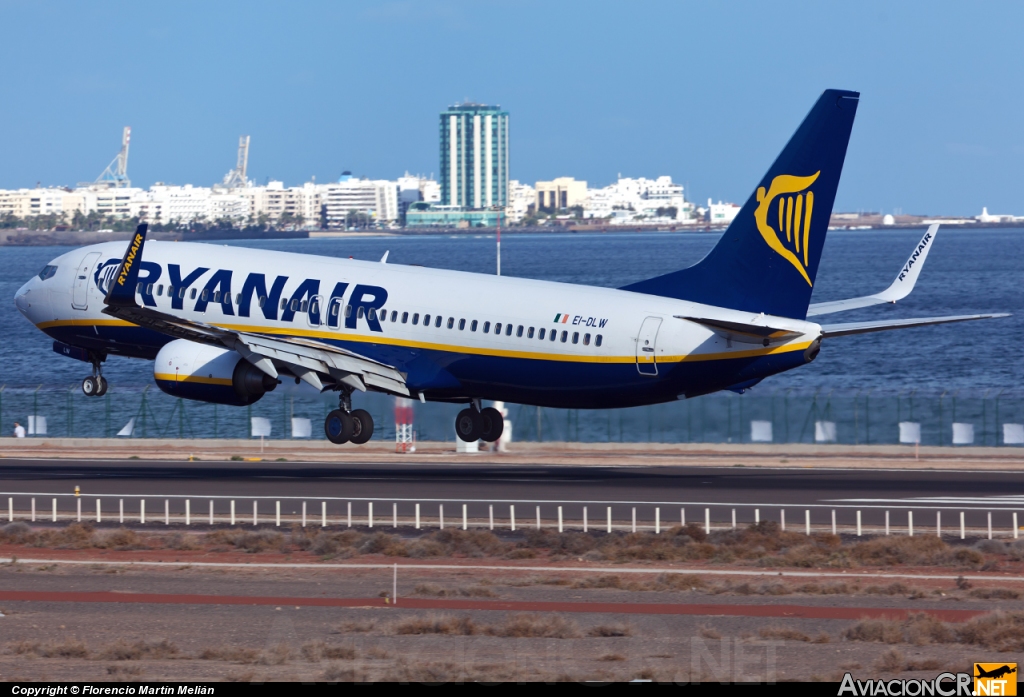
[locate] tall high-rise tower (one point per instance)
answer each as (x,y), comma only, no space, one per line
(474,156)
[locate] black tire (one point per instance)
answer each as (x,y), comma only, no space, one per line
(494,424)
(101,385)
(338,427)
(469,425)
(89,387)
(362,424)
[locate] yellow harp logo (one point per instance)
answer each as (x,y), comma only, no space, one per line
(794,217)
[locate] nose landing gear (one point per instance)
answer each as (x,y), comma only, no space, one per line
(474,424)
(95,385)
(343,425)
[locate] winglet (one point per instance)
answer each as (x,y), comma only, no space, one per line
(123,285)
(907,276)
(384,259)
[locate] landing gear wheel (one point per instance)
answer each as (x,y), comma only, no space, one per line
(362,424)
(101,385)
(493,424)
(89,387)
(469,425)
(338,427)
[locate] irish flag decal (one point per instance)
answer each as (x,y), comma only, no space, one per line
(561,318)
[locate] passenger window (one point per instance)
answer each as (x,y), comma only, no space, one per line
(383,315)
(487,327)
(519,331)
(238,298)
(586,339)
(437,321)
(160,290)
(541,334)
(597,340)
(348,311)
(294,305)
(204,296)
(451,322)
(149,289)
(529,333)
(426,320)
(575,337)
(508,330)
(554,334)
(415,318)
(192,295)
(565,335)
(304,306)
(497,328)
(359,312)
(216,296)
(405,317)
(371,313)
(472,327)
(263,301)
(394,315)
(334,309)
(181,292)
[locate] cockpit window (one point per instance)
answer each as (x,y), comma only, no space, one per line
(47,272)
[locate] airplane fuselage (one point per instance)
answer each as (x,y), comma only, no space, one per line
(456,336)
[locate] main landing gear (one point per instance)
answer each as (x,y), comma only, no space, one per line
(343,425)
(475,424)
(95,385)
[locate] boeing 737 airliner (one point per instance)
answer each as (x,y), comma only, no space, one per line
(226,325)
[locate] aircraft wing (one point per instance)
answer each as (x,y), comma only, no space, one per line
(899,289)
(312,361)
(830,330)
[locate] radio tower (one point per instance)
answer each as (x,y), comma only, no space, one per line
(236,178)
(116,173)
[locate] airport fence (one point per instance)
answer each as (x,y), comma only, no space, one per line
(871,416)
(953,519)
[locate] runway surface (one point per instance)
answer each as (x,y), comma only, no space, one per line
(666,487)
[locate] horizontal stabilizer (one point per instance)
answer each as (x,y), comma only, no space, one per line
(830,330)
(758,327)
(899,289)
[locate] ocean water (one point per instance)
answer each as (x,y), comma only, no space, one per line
(966,272)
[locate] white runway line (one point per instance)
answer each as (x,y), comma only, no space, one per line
(559,569)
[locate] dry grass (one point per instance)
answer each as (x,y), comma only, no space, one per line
(231,654)
(998,631)
(612,657)
(610,630)
(995,593)
(122,650)
(892,661)
(709,632)
(356,627)
(437,591)
(790,634)
(517,626)
(71,648)
(316,651)
(124,673)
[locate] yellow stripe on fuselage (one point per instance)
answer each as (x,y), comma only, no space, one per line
(466,350)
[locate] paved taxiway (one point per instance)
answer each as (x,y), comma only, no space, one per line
(452,483)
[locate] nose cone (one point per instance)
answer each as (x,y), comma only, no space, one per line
(23,298)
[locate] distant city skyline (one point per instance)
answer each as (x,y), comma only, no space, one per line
(702,92)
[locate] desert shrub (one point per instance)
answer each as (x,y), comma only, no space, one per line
(122,650)
(610,630)
(529,625)
(995,593)
(436,624)
(16,534)
(1001,631)
(892,661)
(121,539)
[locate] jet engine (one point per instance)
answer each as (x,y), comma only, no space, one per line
(209,374)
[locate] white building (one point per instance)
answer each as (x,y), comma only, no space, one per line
(721,213)
(521,199)
(633,200)
(375,198)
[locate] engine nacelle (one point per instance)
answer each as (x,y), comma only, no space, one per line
(209,374)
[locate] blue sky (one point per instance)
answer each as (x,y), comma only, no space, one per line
(705,92)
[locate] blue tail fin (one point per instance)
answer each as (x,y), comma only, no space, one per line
(767,260)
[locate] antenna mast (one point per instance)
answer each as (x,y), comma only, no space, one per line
(236,178)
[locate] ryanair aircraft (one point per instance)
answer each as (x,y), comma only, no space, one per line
(227,325)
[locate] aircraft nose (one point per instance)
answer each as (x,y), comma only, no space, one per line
(23,298)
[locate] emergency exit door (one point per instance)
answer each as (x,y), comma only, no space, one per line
(646,362)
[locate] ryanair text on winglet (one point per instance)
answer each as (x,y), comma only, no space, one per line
(130,259)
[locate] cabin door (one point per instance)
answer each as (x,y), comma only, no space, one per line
(646,363)
(80,287)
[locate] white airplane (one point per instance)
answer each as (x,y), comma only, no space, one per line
(227,324)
